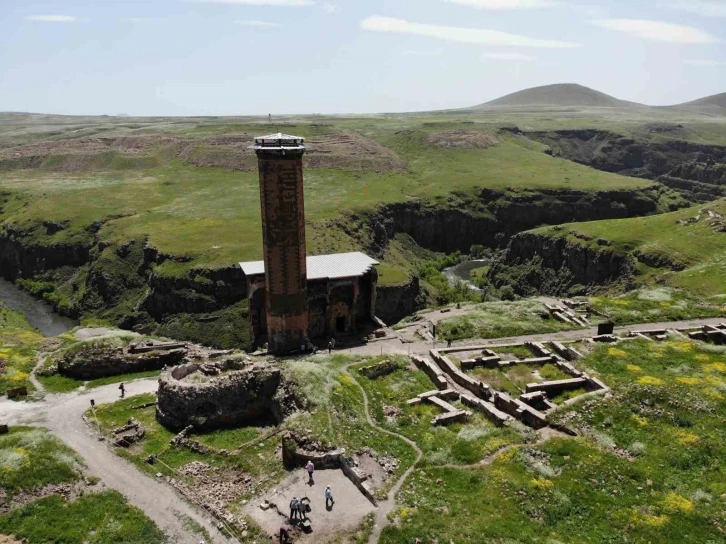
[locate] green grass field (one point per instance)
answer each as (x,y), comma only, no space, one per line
(213,215)
(31,458)
(646,468)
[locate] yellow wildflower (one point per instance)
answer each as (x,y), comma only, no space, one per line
(689,380)
(675,503)
(640,420)
(650,380)
(634,368)
(686,438)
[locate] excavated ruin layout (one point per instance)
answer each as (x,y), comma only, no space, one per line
(531,407)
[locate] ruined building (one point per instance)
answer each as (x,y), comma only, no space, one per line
(294,298)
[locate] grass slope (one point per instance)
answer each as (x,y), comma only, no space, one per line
(18,342)
(212,215)
(684,247)
(647,468)
(31,458)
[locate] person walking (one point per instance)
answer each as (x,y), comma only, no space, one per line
(310,468)
(123,389)
(329,497)
(330,346)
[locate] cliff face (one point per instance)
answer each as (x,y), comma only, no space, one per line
(394,302)
(587,265)
(611,152)
(494,217)
(22,258)
(124,283)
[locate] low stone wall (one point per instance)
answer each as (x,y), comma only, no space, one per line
(491,412)
(479,389)
(519,410)
(434,373)
(379,369)
(555,387)
(566,352)
(294,455)
(104,362)
(236,396)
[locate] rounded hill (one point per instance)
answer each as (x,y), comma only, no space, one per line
(713,100)
(561,94)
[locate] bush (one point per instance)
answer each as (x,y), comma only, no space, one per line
(506,293)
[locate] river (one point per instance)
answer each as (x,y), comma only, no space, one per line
(460,272)
(38,313)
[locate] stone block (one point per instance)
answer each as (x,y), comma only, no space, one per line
(17,392)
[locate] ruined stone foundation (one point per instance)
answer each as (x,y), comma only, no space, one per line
(223,394)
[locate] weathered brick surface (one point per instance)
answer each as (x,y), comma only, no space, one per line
(283,232)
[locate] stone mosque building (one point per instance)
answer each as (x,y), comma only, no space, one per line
(294,298)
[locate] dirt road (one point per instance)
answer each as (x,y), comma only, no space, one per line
(61,413)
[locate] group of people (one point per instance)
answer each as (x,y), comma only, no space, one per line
(299,507)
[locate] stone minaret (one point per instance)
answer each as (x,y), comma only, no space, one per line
(279,158)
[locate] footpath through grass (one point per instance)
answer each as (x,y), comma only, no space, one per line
(333,414)
(648,466)
(458,443)
(30,459)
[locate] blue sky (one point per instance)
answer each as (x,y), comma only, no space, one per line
(229,57)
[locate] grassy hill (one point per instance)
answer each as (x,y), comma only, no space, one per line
(713,100)
(561,94)
(685,249)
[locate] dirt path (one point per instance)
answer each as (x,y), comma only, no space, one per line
(61,413)
(396,346)
(390,502)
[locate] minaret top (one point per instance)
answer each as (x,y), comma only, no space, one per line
(279,142)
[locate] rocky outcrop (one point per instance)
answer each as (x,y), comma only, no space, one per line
(611,152)
(394,302)
(102,361)
(201,290)
(587,265)
(226,394)
(493,217)
(23,257)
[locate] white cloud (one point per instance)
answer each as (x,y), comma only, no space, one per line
(477,36)
(513,57)
(657,31)
(290,3)
(51,18)
(258,24)
(705,62)
(707,9)
(422,52)
(330,7)
(504,4)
